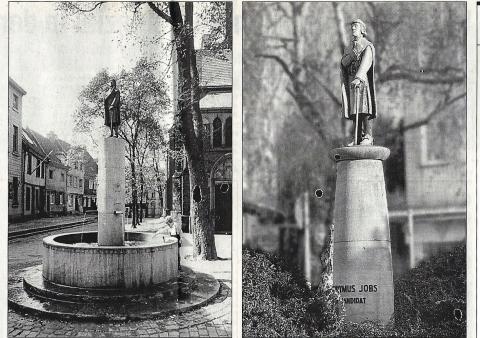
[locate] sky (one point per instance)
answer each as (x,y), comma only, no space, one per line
(53,57)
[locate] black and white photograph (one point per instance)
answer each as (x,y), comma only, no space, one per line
(355,170)
(119,169)
(242,168)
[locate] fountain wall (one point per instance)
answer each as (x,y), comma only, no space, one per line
(76,260)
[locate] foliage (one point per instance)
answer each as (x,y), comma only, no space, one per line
(278,302)
(144,102)
(430,301)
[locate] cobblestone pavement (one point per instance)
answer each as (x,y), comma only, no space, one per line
(213,320)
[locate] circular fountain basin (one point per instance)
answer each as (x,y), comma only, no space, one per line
(75,259)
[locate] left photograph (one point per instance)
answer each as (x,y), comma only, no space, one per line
(120,169)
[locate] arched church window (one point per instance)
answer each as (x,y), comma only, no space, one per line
(224,170)
(206,136)
(228,132)
(217,132)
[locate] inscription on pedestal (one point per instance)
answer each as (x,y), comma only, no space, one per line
(363,288)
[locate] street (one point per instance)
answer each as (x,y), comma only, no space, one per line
(213,320)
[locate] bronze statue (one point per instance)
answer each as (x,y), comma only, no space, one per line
(112,109)
(358,87)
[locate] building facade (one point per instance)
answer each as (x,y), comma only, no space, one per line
(73,158)
(55,177)
(435,171)
(215,75)
(90,183)
(15,132)
(33,176)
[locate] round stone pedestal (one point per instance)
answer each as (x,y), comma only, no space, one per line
(362,260)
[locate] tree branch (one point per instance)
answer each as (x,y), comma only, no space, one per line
(447,75)
(82,10)
(342,37)
(280,61)
(159,12)
(439,108)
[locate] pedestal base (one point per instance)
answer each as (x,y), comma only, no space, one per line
(362,260)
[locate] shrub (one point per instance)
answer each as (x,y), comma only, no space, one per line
(278,302)
(430,300)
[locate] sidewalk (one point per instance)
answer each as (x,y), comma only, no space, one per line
(47,222)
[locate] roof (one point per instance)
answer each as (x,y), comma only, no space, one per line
(16,86)
(47,147)
(51,146)
(33,145)
(90,165)
(216,100)
(214,67)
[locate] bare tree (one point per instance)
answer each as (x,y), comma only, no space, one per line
(299,40)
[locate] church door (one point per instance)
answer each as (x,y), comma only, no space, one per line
(223,207)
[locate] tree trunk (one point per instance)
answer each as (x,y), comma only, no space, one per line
(142,184)
(191,129)
(134,189)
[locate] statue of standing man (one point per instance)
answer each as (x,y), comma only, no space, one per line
(358,88)
(112,108)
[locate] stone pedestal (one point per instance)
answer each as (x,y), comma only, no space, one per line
(362,259)
(111,192)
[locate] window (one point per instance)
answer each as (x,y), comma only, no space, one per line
(75,165)
(15,101)
(75,182)
(63,177)
(228,132)
(50,174)
(81,166)
(70,180)
(43,169)
(15,192)
(37,168)
(80,183)
(29,164)
(15,139)
(437,148)
(217,132)
(206,136)
(27,198)
(52,197)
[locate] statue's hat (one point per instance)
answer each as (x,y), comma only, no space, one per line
(362,24)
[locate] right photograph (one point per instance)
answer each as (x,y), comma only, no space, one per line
(354,169)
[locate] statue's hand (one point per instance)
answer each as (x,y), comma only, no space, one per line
(356,83)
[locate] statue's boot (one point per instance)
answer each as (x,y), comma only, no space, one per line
(367,140)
